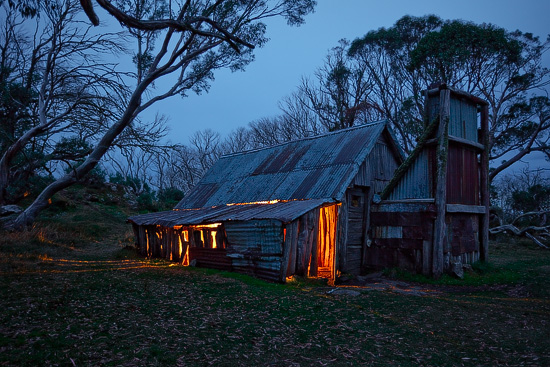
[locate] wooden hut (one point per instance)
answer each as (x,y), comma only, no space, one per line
(300,207)
(342,202)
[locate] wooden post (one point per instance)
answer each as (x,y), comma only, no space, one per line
(442,156)
(484,182)
(338,218)
(341,236)
(314,244)
(288,262)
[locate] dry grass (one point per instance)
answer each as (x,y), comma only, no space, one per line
(69,298)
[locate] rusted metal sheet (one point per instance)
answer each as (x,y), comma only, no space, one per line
(463,233)
(210,258)
(282,211)
(462,175)
(264,237)
(319,167)
(255,247)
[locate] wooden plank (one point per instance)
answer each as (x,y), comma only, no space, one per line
(293,237)
(470,143)
(301,246)
(311,218)
(289,229)
(337,224)
(314,244)
(441,183)
(460,208)
(339,261)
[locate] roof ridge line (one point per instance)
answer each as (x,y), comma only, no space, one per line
(385,121)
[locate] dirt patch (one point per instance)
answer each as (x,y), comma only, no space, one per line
(377,282)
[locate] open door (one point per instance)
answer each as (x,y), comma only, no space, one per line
(326,246)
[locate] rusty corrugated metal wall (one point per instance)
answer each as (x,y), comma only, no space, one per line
(404,225)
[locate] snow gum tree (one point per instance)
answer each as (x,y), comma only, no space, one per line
(194,38)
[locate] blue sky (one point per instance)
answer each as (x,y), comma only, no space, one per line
(235,99)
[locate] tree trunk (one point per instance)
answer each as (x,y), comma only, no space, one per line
(28,216)
(8,156)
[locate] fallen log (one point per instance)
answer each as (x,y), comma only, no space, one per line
(545,231)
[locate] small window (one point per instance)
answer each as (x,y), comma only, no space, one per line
(355,201)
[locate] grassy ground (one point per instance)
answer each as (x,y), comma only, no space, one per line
(75,296)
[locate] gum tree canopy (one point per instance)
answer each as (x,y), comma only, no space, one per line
(504,68)
(195,38)
(383,73)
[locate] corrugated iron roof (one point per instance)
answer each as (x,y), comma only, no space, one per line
(282,211)
(319,167)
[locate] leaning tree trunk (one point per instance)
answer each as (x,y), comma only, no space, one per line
(10,154)
(28,216)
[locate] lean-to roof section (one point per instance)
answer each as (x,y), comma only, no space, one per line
(282,211)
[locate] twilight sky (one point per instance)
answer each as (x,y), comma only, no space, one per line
(235,99)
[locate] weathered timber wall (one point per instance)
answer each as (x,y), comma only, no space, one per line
(160,242)
(357,221)
(402,236)
(378,168)
(462,245)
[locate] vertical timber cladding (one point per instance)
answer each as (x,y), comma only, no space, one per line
(156,240)
(301,246)
(357,206)
(255,247)
(402,236)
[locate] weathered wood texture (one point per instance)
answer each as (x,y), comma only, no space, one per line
(462,245)
(357,223)
(378,168)
(210,258)
(402,236)
(307,237)
(441,183)
(340,250)
(159,241)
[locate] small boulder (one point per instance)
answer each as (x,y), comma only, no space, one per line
(344,292)
(457,270)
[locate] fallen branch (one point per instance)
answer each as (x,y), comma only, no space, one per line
(523,232)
